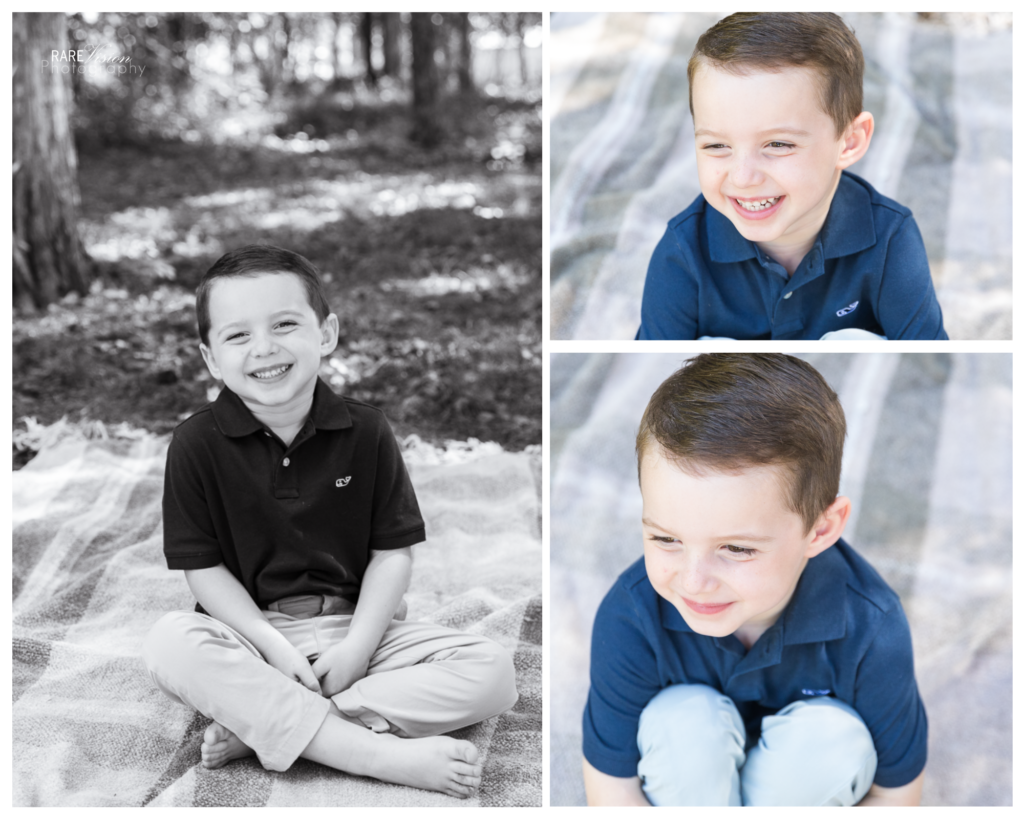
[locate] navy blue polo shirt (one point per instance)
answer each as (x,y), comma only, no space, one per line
(867,269)
(843,634)
(287,520)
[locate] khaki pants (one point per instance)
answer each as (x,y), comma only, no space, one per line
(422,680)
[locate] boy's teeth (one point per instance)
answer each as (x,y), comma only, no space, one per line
(270,373)
(761,205)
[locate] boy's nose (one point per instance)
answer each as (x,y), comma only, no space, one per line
(265,345)
(695,576)
(745,173)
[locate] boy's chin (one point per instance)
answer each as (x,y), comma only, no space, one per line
(708,629)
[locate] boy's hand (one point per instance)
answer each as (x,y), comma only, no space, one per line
(342,665)
(289,661)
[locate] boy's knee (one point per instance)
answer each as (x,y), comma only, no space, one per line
(499,678)
(826,717)
(812,752)
(169,641)
(700,708)
(691,740)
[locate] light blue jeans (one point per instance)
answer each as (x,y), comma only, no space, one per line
(812,752)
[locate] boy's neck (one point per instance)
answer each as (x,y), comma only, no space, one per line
(285,420)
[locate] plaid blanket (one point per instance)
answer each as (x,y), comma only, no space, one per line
(927,465)
(89,580)
(623,160)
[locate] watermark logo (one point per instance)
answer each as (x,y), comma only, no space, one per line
(99,61)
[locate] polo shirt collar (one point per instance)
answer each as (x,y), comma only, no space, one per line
(816,612)
(235,419)
(848,228)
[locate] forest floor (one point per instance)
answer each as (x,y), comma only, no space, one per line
(432,261)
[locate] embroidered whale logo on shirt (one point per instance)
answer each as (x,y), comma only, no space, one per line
(342,481)
(848,309)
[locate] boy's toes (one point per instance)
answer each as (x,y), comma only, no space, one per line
(466,769)
(468,780)
(459,791)
(216,733)
(467,752)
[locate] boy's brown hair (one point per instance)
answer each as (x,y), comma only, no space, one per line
(770,41)
(253,260)
(727,412)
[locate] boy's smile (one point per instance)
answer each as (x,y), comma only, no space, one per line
(768,156)
(725,549)
(266,344)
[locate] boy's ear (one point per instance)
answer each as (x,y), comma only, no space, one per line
(328,335)
(856,140)
(211,364)
(829,527)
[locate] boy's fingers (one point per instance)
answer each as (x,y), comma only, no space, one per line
(308,679)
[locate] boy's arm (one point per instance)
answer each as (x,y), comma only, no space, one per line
(904,796)
(225,599)
(615,791)
(668,309)
(384,582)
(907,305)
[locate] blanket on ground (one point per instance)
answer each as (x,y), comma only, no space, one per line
(927,465)
(90,579)
(623,160)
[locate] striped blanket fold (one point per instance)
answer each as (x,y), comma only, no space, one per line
(89,578)
(928,468)
(623,160)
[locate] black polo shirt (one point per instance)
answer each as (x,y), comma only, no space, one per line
(289,520)
(843,634)
(867,269)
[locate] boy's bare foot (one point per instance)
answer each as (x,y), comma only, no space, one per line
(439,764)
(442,764)
(220,746)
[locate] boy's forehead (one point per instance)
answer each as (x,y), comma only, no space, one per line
(237,294)
(774,96)
(667,482)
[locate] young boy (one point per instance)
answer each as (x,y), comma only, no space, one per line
(783,242)
(290,510)
(752,657)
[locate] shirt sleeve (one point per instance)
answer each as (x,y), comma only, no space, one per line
(623,679)
(669,307)
(907,306)
(190,540)
(888,701)
(397,521)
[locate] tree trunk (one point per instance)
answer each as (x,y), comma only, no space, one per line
(48,257)
(392,30)
(426,129)
(366,38)
(465,53)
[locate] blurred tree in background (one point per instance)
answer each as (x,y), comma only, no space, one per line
(48,260)
(200,132)
(204,71)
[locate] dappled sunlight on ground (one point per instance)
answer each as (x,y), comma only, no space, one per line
(476,280)
(189,228)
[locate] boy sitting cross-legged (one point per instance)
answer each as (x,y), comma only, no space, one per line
(751,657)
(291,512)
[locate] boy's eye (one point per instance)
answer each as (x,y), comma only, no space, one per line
(738,550)
(235,336)
(287,323)
(783,145)
(662,539)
